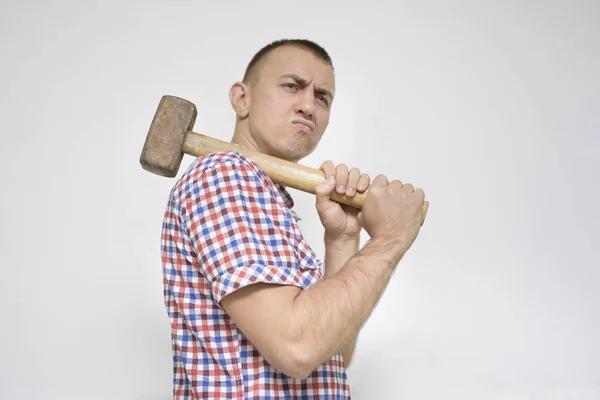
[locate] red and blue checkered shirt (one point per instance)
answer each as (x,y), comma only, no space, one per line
(228,225)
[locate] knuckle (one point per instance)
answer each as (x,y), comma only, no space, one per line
(381,178)
(327,164)
(375,191)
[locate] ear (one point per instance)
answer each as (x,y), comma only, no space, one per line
(239,96)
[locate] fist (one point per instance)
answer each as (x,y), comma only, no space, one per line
(337,219)
(393,211)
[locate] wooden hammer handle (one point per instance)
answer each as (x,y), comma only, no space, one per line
(285,172)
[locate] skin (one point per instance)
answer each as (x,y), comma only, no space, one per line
(279,94)
(297,330)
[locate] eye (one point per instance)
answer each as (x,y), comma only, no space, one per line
(291,85)
(323,99)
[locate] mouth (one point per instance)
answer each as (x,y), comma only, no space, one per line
(304,125)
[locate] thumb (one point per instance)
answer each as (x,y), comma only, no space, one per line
(324,189)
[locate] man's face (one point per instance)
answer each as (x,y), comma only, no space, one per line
(290,102)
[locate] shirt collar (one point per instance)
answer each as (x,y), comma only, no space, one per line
(287,198)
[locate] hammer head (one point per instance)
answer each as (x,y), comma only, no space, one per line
(163,149)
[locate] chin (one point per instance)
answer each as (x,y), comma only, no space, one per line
(291,146)
(289,154)
(297,149)
(299,155)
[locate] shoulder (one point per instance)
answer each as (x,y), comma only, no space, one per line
(217,161)
(221,170)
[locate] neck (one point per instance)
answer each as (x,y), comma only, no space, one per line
(243,138)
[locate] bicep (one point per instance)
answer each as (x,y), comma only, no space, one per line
(265,315)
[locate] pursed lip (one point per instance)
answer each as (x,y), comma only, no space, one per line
(306,123)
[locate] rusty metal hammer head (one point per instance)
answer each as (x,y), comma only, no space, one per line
(163,149)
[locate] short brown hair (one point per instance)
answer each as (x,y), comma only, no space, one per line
(316,49)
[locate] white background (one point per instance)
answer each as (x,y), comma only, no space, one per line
(493,108)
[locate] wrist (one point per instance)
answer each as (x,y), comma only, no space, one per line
(338,250)
(389,248)
(341,240)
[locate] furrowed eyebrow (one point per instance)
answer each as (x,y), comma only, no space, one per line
(303,82)
(299,80)
(324,92)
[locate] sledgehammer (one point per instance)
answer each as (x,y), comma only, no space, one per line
(170,137)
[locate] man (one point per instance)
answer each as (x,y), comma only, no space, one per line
(253,315)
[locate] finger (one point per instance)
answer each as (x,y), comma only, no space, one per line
(353,177)
(420,194)
(363,182)
(341,177)
(380,180)
(328,169)
(407,186)
(397,184)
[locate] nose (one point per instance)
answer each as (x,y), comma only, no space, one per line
(305,103)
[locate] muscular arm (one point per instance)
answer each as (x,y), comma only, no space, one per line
(298,330)
(337,252)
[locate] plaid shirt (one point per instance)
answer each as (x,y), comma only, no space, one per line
(227,225)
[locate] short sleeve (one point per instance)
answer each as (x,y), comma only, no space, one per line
(241,230)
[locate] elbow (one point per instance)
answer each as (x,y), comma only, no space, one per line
(299,362)
(296,353)
(300,367)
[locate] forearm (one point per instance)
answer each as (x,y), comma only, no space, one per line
(334,310)
(337,252)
